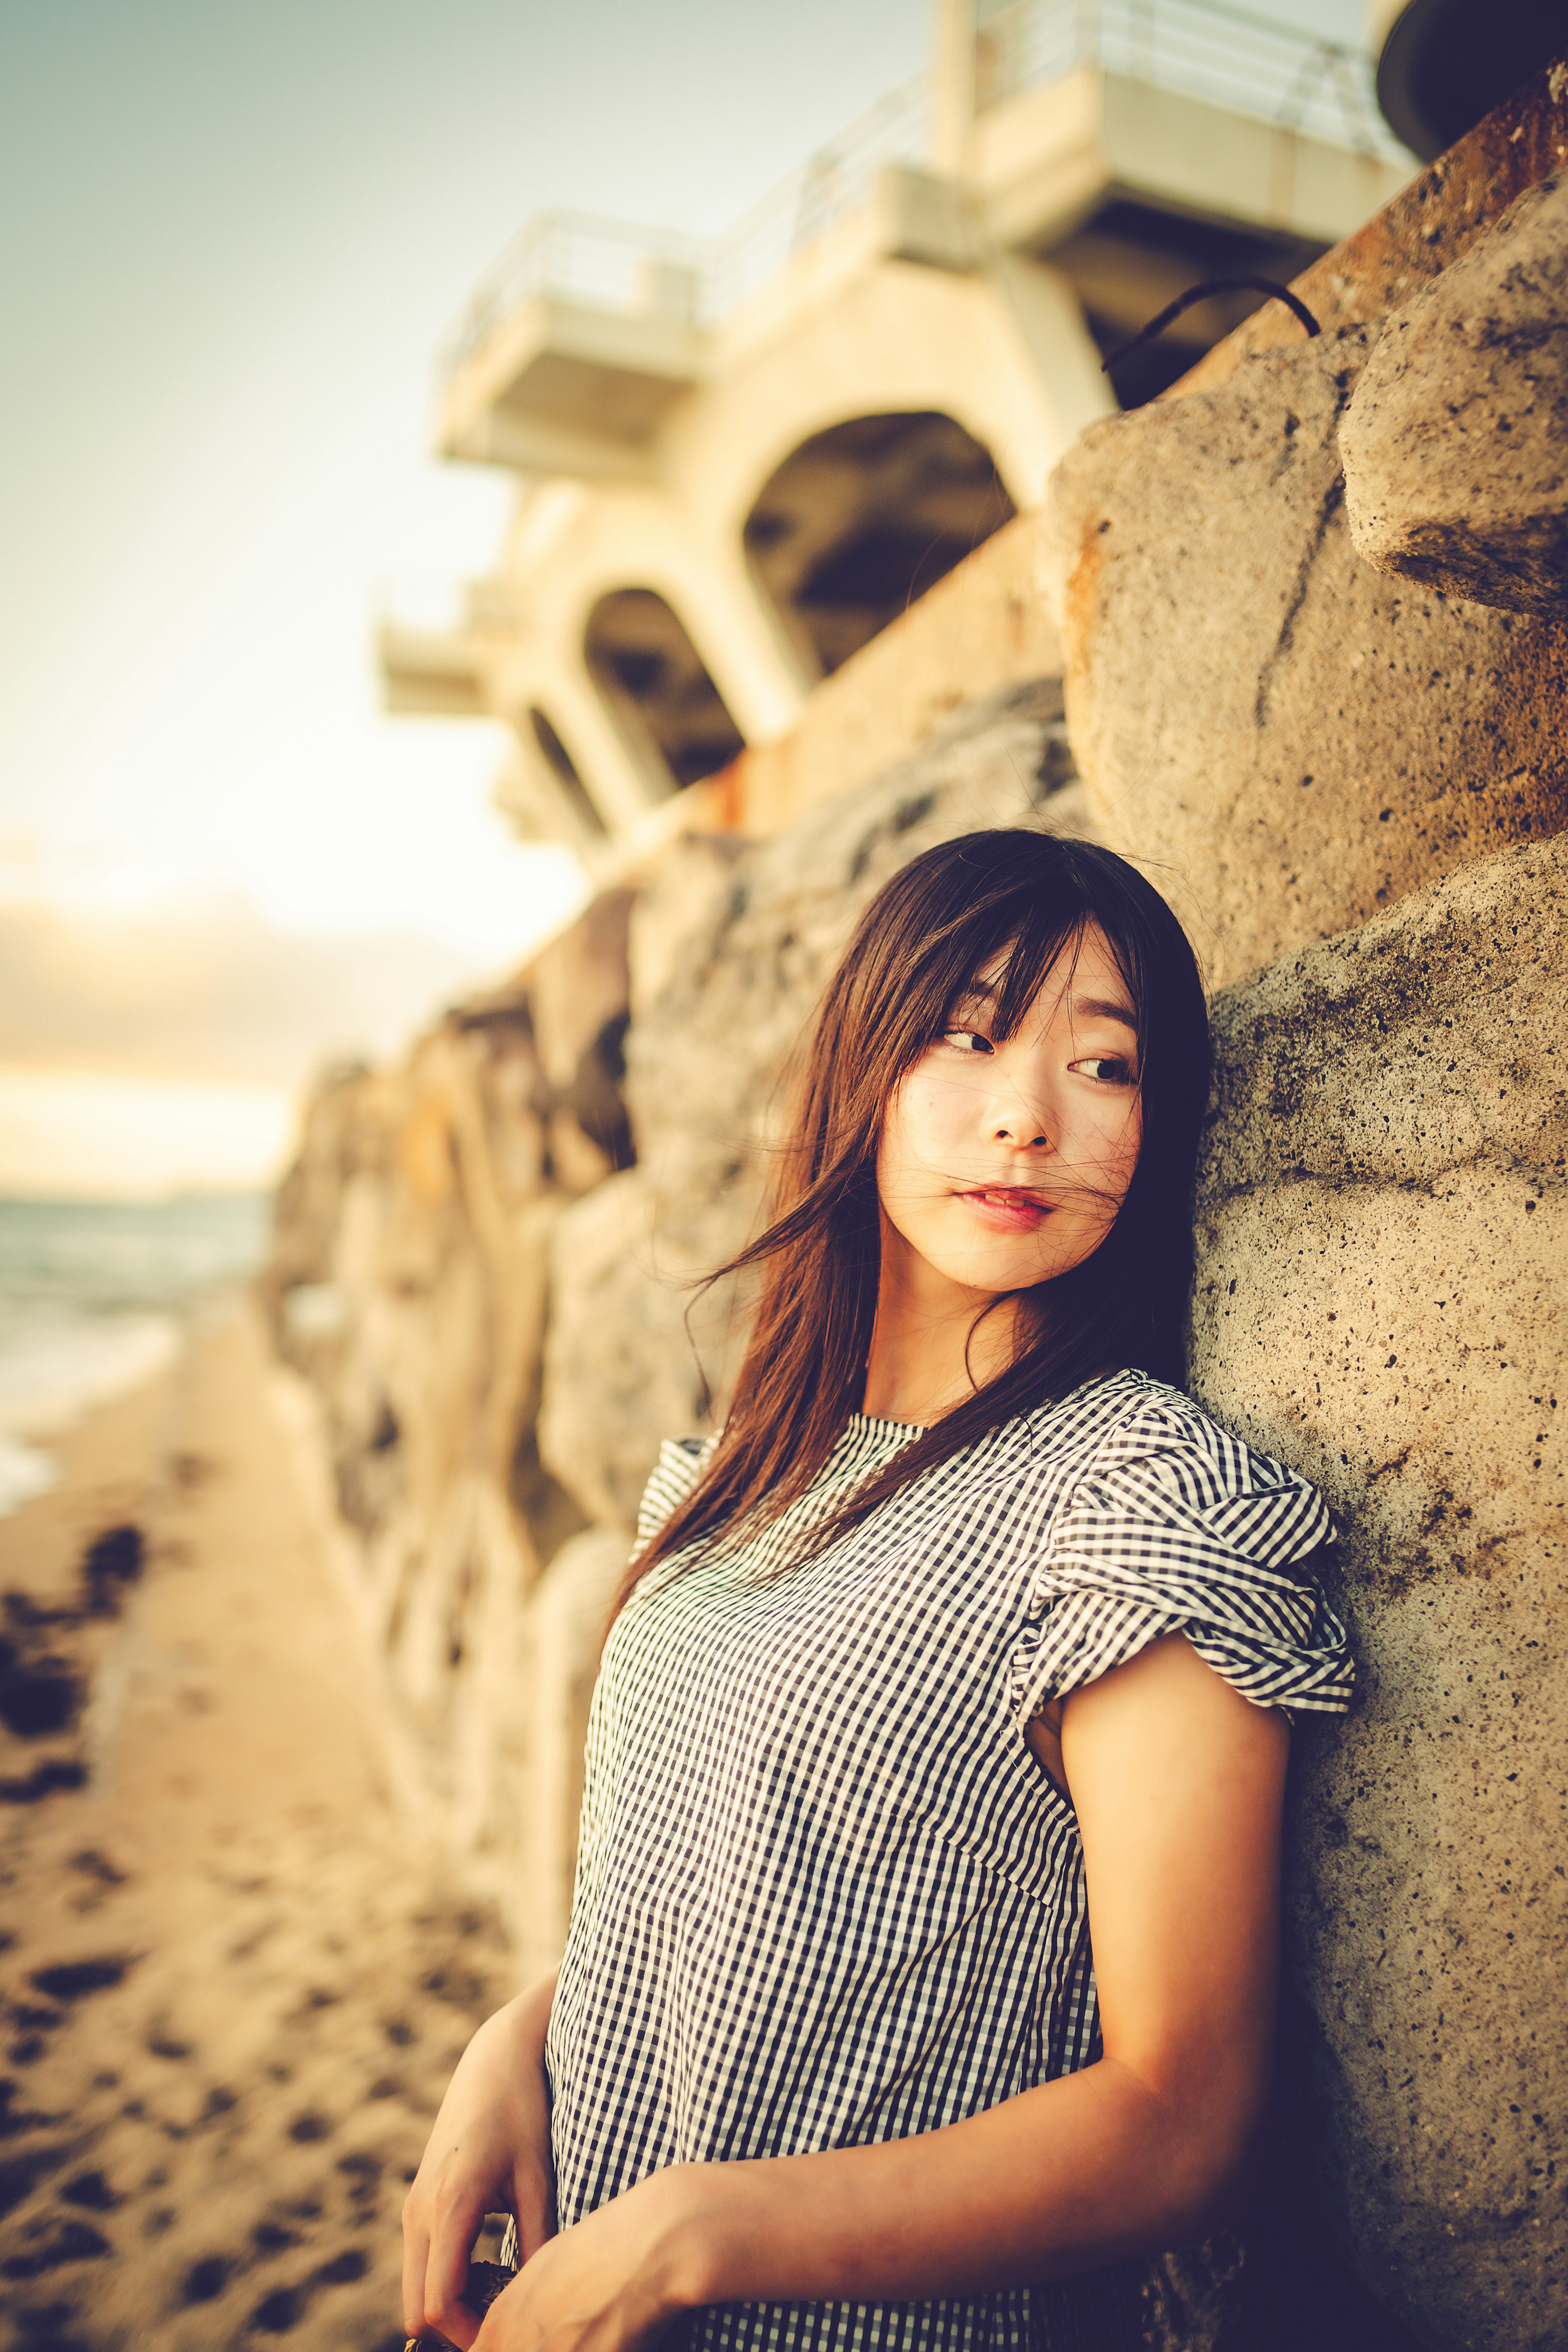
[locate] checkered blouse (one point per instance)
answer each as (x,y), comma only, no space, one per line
(825,1894)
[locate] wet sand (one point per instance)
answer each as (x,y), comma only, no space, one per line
(231,1986)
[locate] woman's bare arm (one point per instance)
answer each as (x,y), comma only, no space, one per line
(1177,1783)
(488,2152)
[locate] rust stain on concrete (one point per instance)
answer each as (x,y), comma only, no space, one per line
(1082,594)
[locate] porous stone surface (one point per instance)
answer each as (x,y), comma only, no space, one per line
(1381,1299)
(1456,438)
(1290,740)
(620,1371)
(731,944)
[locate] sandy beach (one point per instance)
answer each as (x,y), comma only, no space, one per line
(233,1987)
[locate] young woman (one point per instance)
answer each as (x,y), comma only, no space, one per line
(921,1966)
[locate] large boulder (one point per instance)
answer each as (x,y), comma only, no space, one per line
(731,944)
(411,1270)
(1383,1299)
(1291,740)
(577,993)
(1456,438)
(620,1372)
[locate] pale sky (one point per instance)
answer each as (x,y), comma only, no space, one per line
(232,240)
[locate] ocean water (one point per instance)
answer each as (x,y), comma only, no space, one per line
(91,1296)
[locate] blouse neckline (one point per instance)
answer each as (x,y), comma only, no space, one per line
(878,1426)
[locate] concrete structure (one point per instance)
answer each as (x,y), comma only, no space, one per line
(737,462)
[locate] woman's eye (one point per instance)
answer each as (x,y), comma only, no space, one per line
(967,1041)
(1107,1069)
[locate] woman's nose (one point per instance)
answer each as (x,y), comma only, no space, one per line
(1017,1135)
(1020,1109)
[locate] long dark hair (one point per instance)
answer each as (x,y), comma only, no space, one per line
(942,919)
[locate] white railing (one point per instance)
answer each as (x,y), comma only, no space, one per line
(1204,48)
(831,186)
(615,266)
(608,265)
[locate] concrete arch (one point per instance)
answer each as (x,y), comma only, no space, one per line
(658,687)
(609,538)
(1001,352)
(615,786)
(861,518)
(565,775)
(1003,349)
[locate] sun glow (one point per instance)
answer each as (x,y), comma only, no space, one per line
(96,1137)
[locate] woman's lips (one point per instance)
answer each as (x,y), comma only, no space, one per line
(1006,1208)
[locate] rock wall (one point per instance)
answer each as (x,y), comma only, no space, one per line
(1455,470)
(1295,739)
(409,1285)
(1382,1298)
(1355,783)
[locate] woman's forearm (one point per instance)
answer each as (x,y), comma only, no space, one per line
(1065,2177)
(530,2012)
(488,2151)
(524,2021)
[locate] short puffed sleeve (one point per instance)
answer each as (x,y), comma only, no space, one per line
(680,1462)
(1177,1527)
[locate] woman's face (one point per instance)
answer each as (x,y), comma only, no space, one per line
(1003,1161)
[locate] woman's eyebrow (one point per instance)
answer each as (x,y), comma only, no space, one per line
(981,992)
(1105,1008)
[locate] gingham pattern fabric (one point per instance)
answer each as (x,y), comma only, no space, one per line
(825,1894)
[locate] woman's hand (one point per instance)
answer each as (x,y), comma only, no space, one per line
(613,2282)
(488,2152)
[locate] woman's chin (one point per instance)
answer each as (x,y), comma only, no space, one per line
(1006,1263)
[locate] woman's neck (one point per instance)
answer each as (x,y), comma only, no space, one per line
(930,1347)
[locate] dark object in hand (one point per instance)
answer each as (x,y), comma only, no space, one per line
(485,2281)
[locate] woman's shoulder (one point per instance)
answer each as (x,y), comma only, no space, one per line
(680,1464)
(1153,1472)
(1129,1419)
(1170,1523)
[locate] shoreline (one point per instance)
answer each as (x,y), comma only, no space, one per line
(231,1986)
